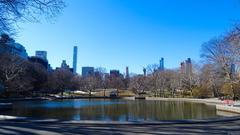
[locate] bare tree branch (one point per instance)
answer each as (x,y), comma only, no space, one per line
(13,11)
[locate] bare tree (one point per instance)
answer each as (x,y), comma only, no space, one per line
(39,75)
(210,79)
(116,83)
(90,84)
(13,74)
(172,81)
(218,52)
(60,80)
(139,84)
(11,67)
(221,53)
(13,11)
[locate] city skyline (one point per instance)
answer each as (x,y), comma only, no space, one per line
(130,33)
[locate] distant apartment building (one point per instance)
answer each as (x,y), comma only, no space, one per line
(106,76)
(41,58)
(182,68)
(65,66)
(189,67)
(8,45)
(115,73)
(87,71)
(98,74)
(38,60)
(186,68)
(41,54)
(75,53)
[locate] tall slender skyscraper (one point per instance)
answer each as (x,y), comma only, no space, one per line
(189,67)
(127,73)
(75,51)
(161,65)
(144,71)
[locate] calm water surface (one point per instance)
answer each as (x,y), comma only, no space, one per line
(113,110)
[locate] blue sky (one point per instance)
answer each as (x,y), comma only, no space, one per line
(119,33)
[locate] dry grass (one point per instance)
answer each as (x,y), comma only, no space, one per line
(121,93)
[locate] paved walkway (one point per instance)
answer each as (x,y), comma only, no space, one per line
(39,127)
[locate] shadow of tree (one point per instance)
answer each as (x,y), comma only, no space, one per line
(59,128)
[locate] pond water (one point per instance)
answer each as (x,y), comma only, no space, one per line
(112,110)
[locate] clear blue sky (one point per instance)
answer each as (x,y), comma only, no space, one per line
(119,33)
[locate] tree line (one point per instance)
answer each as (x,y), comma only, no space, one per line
(20,77)
(216,75)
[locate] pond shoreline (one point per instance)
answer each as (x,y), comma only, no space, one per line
(4,100)
(220,106)
(210,101)
(31,125)
(214,101)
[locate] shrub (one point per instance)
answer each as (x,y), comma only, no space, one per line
(202,92)
(227,90)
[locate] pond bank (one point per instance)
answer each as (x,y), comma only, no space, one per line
(230,109)
(7,100)
(212,101)
(220,106)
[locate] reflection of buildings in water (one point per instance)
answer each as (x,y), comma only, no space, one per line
(117,110)
(150,110)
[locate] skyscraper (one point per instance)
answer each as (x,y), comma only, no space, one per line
(64,64)
(87,71)
(144,71)
(186,68)
(161,65)
(75,51)
(41,58)
(182,68)
(41,54)
(127,72)
(8,45)
(115,73)
(189,67)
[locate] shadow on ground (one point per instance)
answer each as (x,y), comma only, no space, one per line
(60,128)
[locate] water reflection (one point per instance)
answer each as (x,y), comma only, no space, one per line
(113,110)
